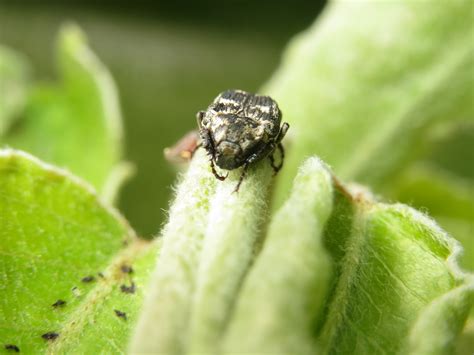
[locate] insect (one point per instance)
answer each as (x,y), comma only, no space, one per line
(50,336)
(240,128)
(128,289)
(120,314)
(12,347)
(126,269)
(58,303)
(88,279)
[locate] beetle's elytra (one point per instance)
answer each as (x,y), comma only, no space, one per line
(239,128)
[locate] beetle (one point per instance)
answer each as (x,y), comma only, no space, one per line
(239,128)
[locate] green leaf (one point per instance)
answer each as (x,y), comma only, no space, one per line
(396,285)
(14,74)
(462,231)
(338,272)
(363,85)
(443,195)
(283,295)
(442,321)
(394,267)
(166,312)
(77,122)
(54,231)
(208,247)
(232,235)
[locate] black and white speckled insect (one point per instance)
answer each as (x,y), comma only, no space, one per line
(240,128)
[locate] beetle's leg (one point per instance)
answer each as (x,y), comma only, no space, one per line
(208,144)
(283,129)
(242,176)
(199,117)
(213,168)
(206,141)
(254,157)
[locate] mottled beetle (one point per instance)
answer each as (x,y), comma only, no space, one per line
(240,128)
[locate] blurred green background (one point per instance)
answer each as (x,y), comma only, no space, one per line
(169,60)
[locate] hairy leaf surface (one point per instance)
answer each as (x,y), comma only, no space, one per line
(54,232)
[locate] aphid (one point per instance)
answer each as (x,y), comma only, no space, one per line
(88,279)
(50,336)
(101,275)
(120,314)
(126,269)
(58,303)
(12,347)
(240,128)
(128,289)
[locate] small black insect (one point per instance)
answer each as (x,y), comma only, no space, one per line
(12,347)
(88,279)
(50,336)
(58,303)
(128,289)
(240,128)
(126,269)
(120,314)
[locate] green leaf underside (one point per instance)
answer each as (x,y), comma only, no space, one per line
(227,253)
(165,315)
(208,246)
(393,265)
(77,122)
(283,293)
(374,278)
(14,72)
(54,232)
(372,93)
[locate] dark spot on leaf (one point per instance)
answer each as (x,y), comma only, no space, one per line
(50,336)
(120,314)
(87,279)
(126,269)
(128,289)
(58,303)
(101,275)
(12,347)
